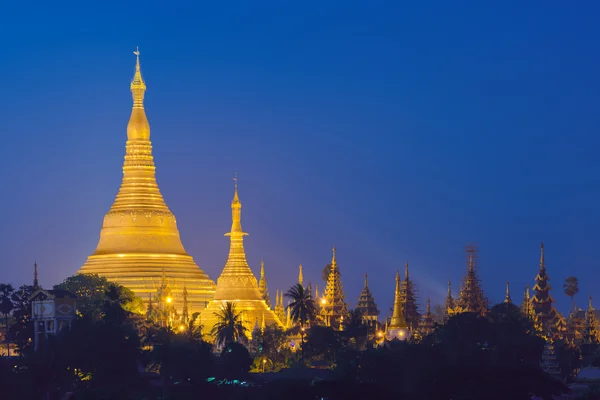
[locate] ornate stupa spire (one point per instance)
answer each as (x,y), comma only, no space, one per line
(237,283)
(591,331)
(185,316)
(333,308)
(397,329)
(262,285)
(472,298)
(450,305)
(542,302)
(409,301)
(427,323)
(316,292)
(36,283)
(139,235)
(507,298)
(300,276)
(367,307)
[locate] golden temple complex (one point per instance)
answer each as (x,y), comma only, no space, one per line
(139,241)
(237,283)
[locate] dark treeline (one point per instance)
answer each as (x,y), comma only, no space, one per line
(111,352)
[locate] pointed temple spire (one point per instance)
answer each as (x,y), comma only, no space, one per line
(333,308)
(591,330)
(427,323)
(397,329)
(542,302)
(139,234)
(36,283)
(262,285)
(471,297)
(316,292)
(450,305)
(237,283)
(185,316)
(507,298)
(408,300)
(368,308)
(300,276)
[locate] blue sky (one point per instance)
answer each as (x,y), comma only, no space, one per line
(393,131)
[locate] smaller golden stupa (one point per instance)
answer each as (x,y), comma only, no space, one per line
(237,283)
(397,329)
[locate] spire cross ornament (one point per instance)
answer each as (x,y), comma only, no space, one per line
(137,51)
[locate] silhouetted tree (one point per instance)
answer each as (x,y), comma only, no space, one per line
(571,288)
(229,327)
(6,306)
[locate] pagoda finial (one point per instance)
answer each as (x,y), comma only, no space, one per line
(366,281)
(138,127)
(449,289)
(471,265)
(406,273)
(300,276)
(542,261)
(35,276)
(507,298)
(236,212)
(316,291)
(263,324)
(428,307)
(590,304)
(262,268)
(333,258)
(138,86)
(276,298)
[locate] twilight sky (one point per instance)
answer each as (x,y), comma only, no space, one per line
(391,130)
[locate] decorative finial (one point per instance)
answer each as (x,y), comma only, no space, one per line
(262,268)
(333,259)
(138,87)
(449,289)
(300,276)
(35,275)
(428,309)
(542,261)
(406,277)
(470,261)
(507,299)
(366,281)
(590,305)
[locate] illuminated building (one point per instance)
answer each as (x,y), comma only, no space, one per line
(471,297)
(368,308)
(237,284)
(333,307)
(139,237)
(542,303)
(397,328)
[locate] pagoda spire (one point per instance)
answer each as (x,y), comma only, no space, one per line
(427,323)
(36,283)
(316,292)
(450,304)
(367,307)
(507,298)
(262,285)
(333,308)
(300,276)
(591,332)
(397,329)
(471,297)
(409,302)
(185,317)
(542,302)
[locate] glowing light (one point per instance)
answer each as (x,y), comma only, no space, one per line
(323,301)
(169,299)
(181,328)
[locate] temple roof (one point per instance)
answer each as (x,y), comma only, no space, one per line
(366,302)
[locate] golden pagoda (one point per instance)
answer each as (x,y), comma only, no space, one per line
(139,237)
(237,283)
(397,329)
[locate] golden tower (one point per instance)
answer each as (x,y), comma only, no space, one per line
(237,283)
(397,329)
(139,237)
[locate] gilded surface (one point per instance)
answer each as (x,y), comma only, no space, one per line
(139,237)
(237,283)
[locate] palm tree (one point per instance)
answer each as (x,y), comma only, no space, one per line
(229,329)
(571,287)
(302,308)
(6,306)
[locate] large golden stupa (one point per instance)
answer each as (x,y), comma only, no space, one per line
(237,283)
(139,242)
